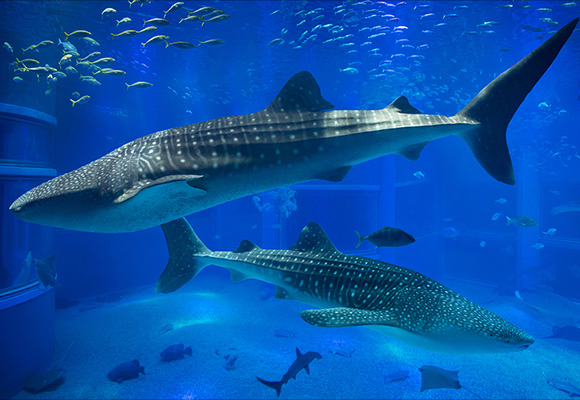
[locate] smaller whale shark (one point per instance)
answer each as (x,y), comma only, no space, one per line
(350,291)
(302,362)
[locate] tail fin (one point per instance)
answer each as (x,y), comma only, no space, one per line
(66,36)
(509,220)
(112,34)
(185,249)
(73,102)
(361,239)
(496,104)
(188,351)
(274,385)
(128,86)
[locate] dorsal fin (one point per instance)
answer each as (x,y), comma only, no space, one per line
(313,239)
(246,245)
(300,94)
(401,105)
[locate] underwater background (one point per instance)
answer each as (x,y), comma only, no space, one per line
(439,54)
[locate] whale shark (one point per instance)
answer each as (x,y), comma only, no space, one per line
(176,172)
(349,291)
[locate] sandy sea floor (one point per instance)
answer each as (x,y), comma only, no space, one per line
(218,318)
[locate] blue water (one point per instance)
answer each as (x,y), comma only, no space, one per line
(439,59)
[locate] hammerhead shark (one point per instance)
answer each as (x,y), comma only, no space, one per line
(176,172)
(302,362)
(350,291)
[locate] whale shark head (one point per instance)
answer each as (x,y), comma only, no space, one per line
(61,201)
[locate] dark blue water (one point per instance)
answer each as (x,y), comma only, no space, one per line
(440,56)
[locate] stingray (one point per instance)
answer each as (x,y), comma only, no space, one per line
(567,332)
(50,380)
(438,378)
(564,386)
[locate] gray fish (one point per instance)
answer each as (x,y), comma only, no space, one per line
(387,237)
(398,376)
(302,362)
(567,332)
(125,371)
(351,290)
(175,352)
(521,220)
(173,173)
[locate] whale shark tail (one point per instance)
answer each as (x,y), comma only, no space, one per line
(186,256)
(496,104)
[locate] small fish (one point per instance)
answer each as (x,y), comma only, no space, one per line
(64,59)
(76,95)
(155,39)
(91,41)
(549,232)
(387,237)
(349,71)
(200,10)
(501,200)
(521,220)
(17,79)
(79,33)
(543,9)
(175,352)
(147,29)
(123,21)
(180,45)
(416,174)
(90,80)
(104,60)
(190,18)
(82,100)
(128,33)
(276,41)
(173,8)
(93,54)
(141,85)
(537,246)
(212,42)
(482,244)
(495,216)
(125,371)
(109,71)
(427,15)
(398,376)
(218,18)
(8,48)
(505,6)
(156,22)
(108,11)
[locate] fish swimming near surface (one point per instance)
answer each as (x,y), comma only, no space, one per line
(350,290)
(387,237)
(175,352)
(126,371)
(173,173)
(302,362)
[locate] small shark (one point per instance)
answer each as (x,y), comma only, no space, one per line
(176,172)
(301,363)
(350,290)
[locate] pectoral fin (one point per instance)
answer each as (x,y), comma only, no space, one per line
(158,187)
(341,316)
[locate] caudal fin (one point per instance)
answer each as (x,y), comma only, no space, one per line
(185,251)
(496,104)
(361,239)
(274,385)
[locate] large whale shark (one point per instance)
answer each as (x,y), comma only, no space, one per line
(172,173)
(350,291)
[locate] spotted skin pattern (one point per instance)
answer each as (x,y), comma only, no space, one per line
(358,290)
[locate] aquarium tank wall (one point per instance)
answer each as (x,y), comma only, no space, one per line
(326,187)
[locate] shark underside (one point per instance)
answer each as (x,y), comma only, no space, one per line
(350,290)
(173,173)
